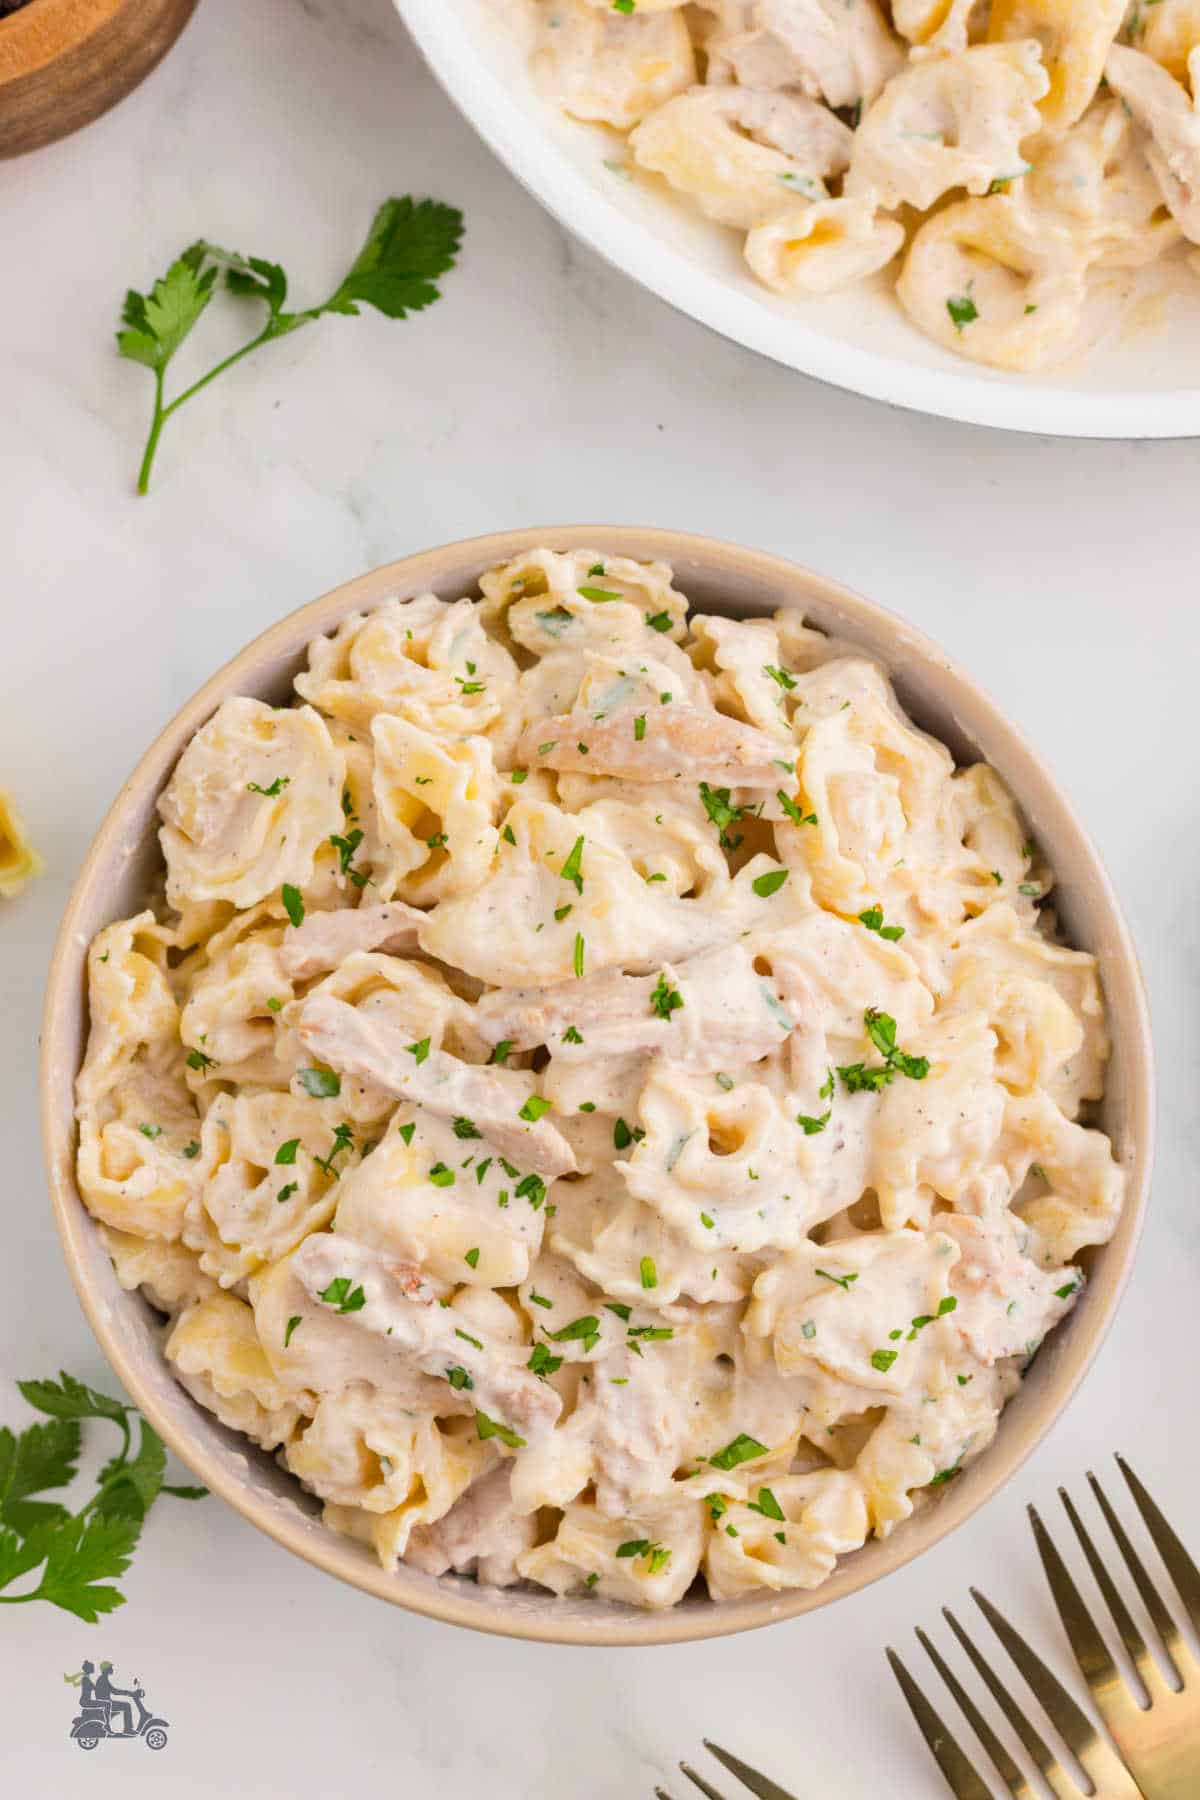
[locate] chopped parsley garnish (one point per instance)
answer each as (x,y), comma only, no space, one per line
(561,912)
(873,920)
(466,1128)
(624,1135)
(652,1334)
(963,311)
(580,948)
(191,1151)
(343,1294)
(507,835)
(488,1428)
(843,1281)
(808,1329)
(767,1505)
(441,1176)
(657,621)
(322,1084)
(542,1363)
(648,1272)
(881,1029)
(571,1036)
(343,1138)
(438,841)
(471,1258)
(536,1299)
(770,883)
(500,1051)
(724,1081)
(883,1360)
(269,793)
(291,1326)
(585,1330)
(588,1106)
(467,1338)
(406,1131)
(518,776)
(795,813)
(572,869)
(598,594)
(622,1311)
(196,1059)
(458,1378)
(722,814)
(151,1131)
(471,687)
(274,1005)
(534,1107)
(346,848)
(286,1153)
(665,999)
(481,1169)
(947,1474)
(811,1126)
(639,727)
(531,1188)
(420,1050)
(547,747)
(286,1192)
(741,1449)
(1064,1293)
(779,676)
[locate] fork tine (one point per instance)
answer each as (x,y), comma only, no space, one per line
(1131,1637)
(1009,1772)
(758,1784)
(1091,1652)
(698,1780)
(1032,1739)
(661,1794)
(964,1781)
(1179,1565)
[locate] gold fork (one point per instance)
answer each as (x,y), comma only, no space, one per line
(1108,1777)
(1160,1740)
(762,1785)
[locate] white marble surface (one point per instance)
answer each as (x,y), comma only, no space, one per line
(544,388)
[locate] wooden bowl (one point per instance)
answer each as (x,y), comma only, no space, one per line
(716,577)
(64,62)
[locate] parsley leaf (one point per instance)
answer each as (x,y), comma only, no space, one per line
(409,244)
(572,869)
(741,1449)
(665,999)
(716,805)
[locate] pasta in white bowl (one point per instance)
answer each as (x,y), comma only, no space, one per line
(983,211)
(600,1095)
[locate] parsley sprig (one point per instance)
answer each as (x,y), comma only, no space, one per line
(409,244)
(79,1553)
(861,1078)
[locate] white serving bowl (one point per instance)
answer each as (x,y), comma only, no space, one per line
(716,577)
(1143,381)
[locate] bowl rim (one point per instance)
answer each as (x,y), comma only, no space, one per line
(999,400)
(456,566)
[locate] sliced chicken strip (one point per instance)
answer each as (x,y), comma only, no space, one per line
(326,939)
(728,1013)
(392,1306)
(362,1041)
(1171,119)
(677,743)
(480,1531)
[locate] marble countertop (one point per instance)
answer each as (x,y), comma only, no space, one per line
(544,388)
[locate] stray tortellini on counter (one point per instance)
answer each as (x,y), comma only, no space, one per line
(601,1099)
(965,153)
(19,861)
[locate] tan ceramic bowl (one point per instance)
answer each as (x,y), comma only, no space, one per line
(720,578)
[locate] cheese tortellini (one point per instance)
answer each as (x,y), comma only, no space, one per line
(602,1098)
(972,151)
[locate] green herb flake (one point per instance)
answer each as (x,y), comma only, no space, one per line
(321,1084)
(770,883)
(293,903)
(740,1449)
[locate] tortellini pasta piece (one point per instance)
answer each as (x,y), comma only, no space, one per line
(253,796)
(954,121)
(991,281)
(217,1356)
(19,861)
(434,799)
(1074,42)
(1171,118)
(600,64)
(791,1539)
(827,245)
(740,153)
